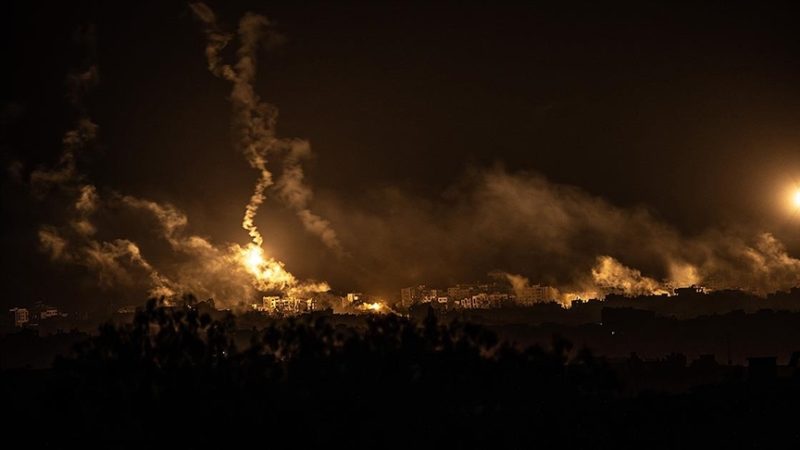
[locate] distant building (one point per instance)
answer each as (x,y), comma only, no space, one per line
(498,298)
(432,295)
(355,298)
(40,311)
(477,301)
(20,316)
(45,312)
(411,295)
(691,291)
(460,291)
(476,296)
(535,294)
(287,306)
(268,303)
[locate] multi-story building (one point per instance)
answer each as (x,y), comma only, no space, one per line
(411,295)
(432,295)
(287,305)
(498,298)
(20,316)
(43,312)
(535,294)
(477,296)
(460,291)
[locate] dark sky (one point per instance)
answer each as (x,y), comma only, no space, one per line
(688,111)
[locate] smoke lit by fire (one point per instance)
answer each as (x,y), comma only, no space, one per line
(374,307)
(229,273)
(555,235)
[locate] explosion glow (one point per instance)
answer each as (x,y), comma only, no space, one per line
(573,244)
(254,259)
(254,121)
(268,273)
(230,273)
(373,307)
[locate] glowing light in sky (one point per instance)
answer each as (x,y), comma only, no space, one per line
(796,199)
(253,258)
(269,274)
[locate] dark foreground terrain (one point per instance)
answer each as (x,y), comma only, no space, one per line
(176,378)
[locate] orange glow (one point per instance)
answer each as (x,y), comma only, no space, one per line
(796,199)
(267,272)
(375,307)
(253,259)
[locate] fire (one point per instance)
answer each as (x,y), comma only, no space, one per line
(375,308)
(268,273)
(254,259)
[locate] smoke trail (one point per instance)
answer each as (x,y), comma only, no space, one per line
(79,82)
(230,273)
(254,125)
(296,193)
(217,41)
(254,121)
(211,270)
(73,142)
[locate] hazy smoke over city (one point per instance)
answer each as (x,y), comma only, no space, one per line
(513,223)
(554,235)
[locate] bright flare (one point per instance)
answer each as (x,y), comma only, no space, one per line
(254,259)
(796,199)
(375,308)
(268,274)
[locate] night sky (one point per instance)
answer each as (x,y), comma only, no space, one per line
(449,140)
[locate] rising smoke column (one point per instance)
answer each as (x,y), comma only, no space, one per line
(229,273)
(255,125)
(294,192)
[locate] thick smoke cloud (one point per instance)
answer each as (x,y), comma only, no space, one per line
(528,228)
(552,234)
(93,237)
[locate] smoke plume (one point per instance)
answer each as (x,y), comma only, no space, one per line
(531,229)
(255,124)
(553,234)
(230,273)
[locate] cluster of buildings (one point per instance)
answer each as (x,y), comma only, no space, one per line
(350,302)
(461,296)
(477,296)
(32,317)
(285,306)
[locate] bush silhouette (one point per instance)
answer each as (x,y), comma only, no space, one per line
(176,375)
